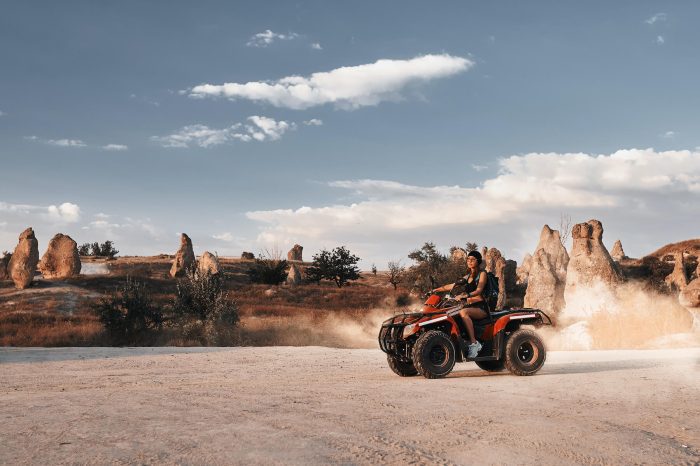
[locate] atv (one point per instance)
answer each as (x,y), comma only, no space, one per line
(433,339)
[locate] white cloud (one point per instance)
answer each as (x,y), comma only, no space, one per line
(669,135)
(660,40)
(313,122)
(348,87)
(656,18)
(115,147)
(267,37)
(66,142)
(66,212)
(316,46)
(527,186)
(259,128)
(226,236)
(478,167)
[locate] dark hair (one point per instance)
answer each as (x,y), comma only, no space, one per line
(476,255)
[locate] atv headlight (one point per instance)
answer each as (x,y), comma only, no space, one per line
(409,330)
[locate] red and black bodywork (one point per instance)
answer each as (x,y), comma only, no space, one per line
(431,340)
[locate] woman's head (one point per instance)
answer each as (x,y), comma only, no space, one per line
(474,259)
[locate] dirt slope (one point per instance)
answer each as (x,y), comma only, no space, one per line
(314,405)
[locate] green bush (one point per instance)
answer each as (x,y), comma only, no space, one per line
(130,316)
(204,311)
(269,268)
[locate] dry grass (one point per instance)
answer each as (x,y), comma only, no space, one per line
(59,313)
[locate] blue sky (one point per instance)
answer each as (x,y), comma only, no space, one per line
(377,125)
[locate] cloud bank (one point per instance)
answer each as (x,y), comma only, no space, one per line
(348,87)
(652,184)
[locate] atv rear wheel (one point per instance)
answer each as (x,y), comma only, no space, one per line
(404,369)
(492,366)
(434,354)
(525,353)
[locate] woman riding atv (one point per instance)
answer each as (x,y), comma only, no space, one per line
(474,283)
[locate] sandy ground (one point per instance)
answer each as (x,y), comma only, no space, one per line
(313,405)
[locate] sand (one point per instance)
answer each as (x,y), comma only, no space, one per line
(313,405)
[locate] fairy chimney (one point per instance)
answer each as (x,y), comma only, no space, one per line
(184,258)
(591,265)
(61,259)
(293,276)
(24,259)
(208,263)
(677,280)
(546,278)
(294,254)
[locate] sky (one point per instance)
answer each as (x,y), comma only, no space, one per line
(252,126)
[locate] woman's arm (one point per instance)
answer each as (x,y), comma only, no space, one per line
(445,288)
(476,295)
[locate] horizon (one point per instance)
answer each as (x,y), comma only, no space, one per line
(256,126)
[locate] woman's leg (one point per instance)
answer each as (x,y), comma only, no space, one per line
(469,313)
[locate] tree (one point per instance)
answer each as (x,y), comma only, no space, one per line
(564,228)
(471,246)
(396,273)
(107,250)
(338,266)
(84,249)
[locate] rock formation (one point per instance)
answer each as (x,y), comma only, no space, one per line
(208,263)
(293,276)
(511,275)
(4,262)
(495,263)
(690,295)
(546,278)
(677,280)
(294,254)
(617,252)
(524,270)
(184,258)
(247,255)
(61,259)
(24,260)
(591,265)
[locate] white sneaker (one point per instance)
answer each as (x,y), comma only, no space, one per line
(474,349)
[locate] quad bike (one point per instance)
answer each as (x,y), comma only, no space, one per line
(431,340)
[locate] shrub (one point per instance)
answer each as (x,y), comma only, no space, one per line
(129,316)
(338,266)
(269,268)
(403,300)
(432,268)
(204,311)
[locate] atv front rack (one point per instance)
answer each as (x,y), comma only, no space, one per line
(390,340)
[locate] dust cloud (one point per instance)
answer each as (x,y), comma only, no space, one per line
(626,317)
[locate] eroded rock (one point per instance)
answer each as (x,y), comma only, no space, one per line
(24,259)
(617,252)
(208,263)
(546,277)
(293,276)
(677,280)
(295,253)
(524,270)
(184,258)
(4,263)
(61,259)
(591,266)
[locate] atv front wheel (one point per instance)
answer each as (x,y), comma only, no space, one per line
(434,354)
(404,369)
(525,353)
(492,366)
